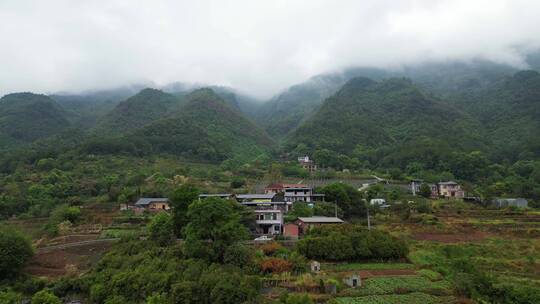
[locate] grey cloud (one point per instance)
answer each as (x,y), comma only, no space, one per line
(259,47)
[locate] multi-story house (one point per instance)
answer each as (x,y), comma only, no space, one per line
(268,216)
(307,163)
(294,192)
(443,189)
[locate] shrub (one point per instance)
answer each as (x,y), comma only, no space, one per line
(270,248)
(238,255)
(276,265)
(10,297)
(352,244)
(237,183)
(295,299)
(15,251)
(45,297)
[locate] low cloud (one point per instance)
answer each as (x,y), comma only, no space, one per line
(260,47)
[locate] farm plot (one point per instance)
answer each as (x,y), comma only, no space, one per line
(411,298)
(400,285)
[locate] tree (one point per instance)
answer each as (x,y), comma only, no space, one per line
(45,297)
(299,209)
(214,225)
(327,209)
(181,198)
(425,190)
(161,229)
(15,251)
(347,198)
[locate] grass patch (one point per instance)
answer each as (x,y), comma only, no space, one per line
(430,274)
(366,266)
(119,233)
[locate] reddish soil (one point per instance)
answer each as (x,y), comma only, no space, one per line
(75,260)
(451,237)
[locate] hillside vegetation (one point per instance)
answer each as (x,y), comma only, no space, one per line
(25,117)
(385,120)
(135,112)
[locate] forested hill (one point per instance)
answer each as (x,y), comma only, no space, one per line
(26,117)
(509,112)
(286,111)
(137,111)
(389,122)
(205,128)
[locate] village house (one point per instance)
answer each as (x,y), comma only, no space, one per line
(307,164)
(306,223)
(152,204)
(294,192)
(268,216)
(448,189)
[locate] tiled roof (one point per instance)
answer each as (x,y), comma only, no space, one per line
(146,200)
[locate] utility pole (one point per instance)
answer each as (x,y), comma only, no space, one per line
(368,222)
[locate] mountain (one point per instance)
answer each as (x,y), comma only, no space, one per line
(509,111)
(247,104)
(84,109)
(206,127)
(285,112)
(26,117)
(135,112)
(384,117)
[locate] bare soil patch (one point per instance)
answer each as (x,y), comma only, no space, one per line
(67,261)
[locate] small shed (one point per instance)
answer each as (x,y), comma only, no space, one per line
(290,231)
(353,280)
(510,202)
(315,266)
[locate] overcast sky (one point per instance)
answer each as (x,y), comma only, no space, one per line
(260,47)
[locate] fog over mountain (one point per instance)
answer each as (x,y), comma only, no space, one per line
(256,47)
